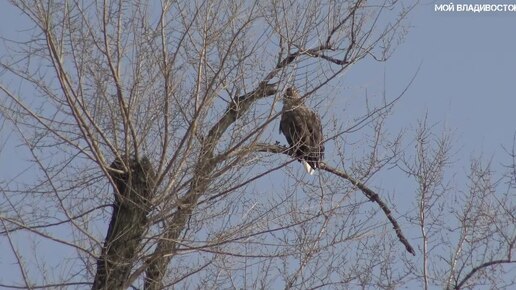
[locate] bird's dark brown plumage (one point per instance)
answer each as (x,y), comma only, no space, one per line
(303,130)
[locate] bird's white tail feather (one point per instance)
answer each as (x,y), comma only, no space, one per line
(308,168)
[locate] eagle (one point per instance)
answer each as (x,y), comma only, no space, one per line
(303,131)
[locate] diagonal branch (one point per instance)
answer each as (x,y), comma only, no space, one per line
(374,197)
(476,269)
(370,194)
(509,260)
(155,266)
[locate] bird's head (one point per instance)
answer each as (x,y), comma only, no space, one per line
(291,97)
(291,93)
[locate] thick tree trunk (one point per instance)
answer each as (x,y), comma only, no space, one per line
(128,223)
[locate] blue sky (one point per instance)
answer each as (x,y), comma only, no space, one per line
(466,82)
(467,79)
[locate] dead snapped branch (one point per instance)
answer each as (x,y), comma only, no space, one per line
(370,194)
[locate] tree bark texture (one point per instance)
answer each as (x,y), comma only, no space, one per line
(128,222)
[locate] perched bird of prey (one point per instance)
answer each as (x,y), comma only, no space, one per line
(302,128)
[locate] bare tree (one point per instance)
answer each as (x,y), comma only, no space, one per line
(152,136)
(467,231)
